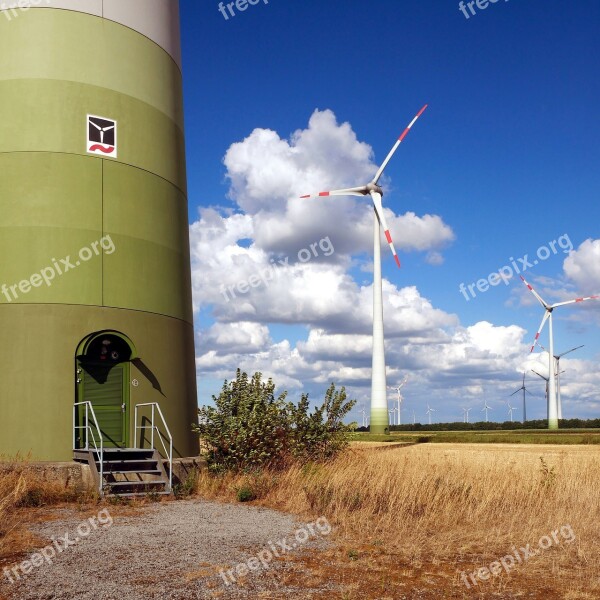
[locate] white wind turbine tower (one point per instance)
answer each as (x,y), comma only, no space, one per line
(548,309)
(510,411)
(466,415)
(557,358)
(400,398)
(379,411)
(429,411)
(486,408)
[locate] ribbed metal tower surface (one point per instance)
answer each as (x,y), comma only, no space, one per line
(60,62)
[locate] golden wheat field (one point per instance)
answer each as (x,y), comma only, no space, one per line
(409,521)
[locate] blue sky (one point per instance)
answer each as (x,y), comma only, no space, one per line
(502,163)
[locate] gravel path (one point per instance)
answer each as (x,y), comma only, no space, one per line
(172,550)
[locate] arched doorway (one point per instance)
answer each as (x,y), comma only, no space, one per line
(103,373)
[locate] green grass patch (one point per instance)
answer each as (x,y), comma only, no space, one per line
(525,436)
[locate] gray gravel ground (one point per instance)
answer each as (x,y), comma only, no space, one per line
(172,550)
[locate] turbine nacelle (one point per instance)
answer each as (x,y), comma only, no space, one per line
(373,187)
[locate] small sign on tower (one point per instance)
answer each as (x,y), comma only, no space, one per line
(101,136)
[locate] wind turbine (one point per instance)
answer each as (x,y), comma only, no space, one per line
(379,415)
(557,358)
(400,398)
(391,412)
(466,415)
(510,411)
(414,418)
(429,411)
(548,309)
(546,379)
(364,416)
(525,391)
(486,408)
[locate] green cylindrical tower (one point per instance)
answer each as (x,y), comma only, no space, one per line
(95,303)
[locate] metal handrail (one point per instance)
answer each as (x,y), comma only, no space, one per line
(152,428)
(89,409)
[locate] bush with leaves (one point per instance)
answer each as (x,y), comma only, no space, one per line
(248,427)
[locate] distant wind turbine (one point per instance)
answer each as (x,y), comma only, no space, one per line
(486,408)
(379,413)
(365,421)
(546,379)
(525,391)
(557,358)
(400,398)
(510,411)
(391,412)
(429,411)
(548,310)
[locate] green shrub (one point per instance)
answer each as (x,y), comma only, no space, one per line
(249,428)
(245,494)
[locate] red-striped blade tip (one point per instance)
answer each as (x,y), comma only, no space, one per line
(397,260)
(323,193)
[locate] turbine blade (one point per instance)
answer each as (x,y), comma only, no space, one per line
(539,298)
(537,335)
(576,301)
(516,392)
(395,147)
(356,191)
(569,351)
(379,210)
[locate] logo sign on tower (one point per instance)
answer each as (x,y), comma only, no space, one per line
(101,136)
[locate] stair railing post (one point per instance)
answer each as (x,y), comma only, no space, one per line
(152,429)
(87,428)
(135,427)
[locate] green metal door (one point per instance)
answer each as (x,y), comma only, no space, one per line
(106,387)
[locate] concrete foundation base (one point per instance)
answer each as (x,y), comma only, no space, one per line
(78,476)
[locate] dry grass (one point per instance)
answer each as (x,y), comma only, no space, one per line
(437,510)
(22,488)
